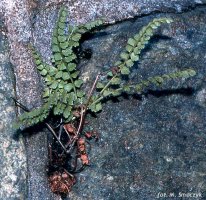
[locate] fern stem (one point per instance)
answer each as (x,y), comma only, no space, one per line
(92,90)
(98,100)
(108,84)
(72,81)
(105,87)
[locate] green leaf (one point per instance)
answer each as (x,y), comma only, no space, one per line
(35,54)
(62,66)
(99,85)
(70,99)
(56,110)
(52,71)
(66,76)
(166,76)
(191,72)
(71,28)
(59,74)
(81,30)
(124,56)
(134,57)
(54,85)
(61,85)
(46,93)
(129,48)
(76,37)
(139,88)
(75,74)
(106,93)
(62,19)
(73,43)
(62,38)
(64,45)
(149,31)
(98,107)
(54,40)
(116,93)
(64,12)
(71,67)
(110,74)
(61,25)
(68,87)
(159,79)
(117,63)
(115,81)
(80,93)
(55,48)
(131,42)
(67,112)
(92,107)
(125,70)
(67,52)
(43,72)
(70,58)
(57,57)
(146,83)
(38,62)
(40,67)
(78,83)
(137,50)
(129,63)
(48,78)
(126,89)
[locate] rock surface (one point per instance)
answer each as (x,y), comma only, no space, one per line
(147,146)
(155,145)
(12,150)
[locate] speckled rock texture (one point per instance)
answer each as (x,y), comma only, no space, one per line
(149,146)
(155,145)
(12,149)
(19,31)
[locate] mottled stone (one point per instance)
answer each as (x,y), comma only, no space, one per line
(28,91)
(147,146)
(155,144)
(117,10)
(12,151)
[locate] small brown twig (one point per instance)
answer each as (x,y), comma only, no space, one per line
(55,135)
(82,114)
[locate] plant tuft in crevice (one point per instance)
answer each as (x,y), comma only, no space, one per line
(64,97)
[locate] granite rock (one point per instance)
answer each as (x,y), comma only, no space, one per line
(12,150)
(148,145)
(154,145)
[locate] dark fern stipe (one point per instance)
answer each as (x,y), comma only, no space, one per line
(64,98)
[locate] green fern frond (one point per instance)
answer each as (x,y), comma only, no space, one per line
(142,85)
(132,51)
(41,65)
(130,55)
(33,117)
(137,43)
(138,88)
(63,94)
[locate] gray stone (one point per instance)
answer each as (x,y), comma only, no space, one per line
(147,146)
(12,150)
(154,145)
(116,10)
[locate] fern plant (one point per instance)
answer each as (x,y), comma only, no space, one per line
(63,95)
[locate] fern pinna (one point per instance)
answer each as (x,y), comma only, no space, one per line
(63,95)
